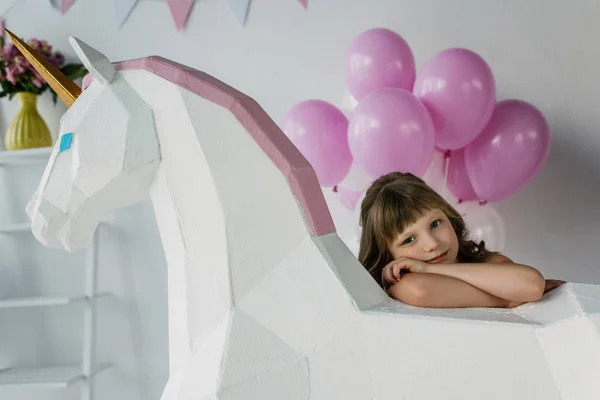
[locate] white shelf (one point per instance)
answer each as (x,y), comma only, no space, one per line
(42,301)
(19,227)
(29,156)
(26,227)
(49,377)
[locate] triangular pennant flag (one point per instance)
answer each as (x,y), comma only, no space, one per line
(180,10)
(304,3)
(240,8)
(66,4)
(62,5)
(123,8)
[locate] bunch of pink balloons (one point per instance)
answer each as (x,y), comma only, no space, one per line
(402,117)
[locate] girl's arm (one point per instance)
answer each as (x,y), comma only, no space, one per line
(439,291)
(498,276)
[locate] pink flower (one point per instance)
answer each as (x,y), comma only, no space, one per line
(19,71)
(58,59)
(9,76)
(15,72)
(37,82)
(9,51)
(20,65)
(36,75)
(41,46)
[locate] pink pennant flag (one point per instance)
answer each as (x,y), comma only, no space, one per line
(180,10)
(66,4)
(62,5)
(304,3)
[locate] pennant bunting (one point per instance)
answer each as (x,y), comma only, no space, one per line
(240,9)
(123,9)
(66,5)
(180,10)
(62,5)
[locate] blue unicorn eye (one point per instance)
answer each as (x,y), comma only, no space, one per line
(65,141)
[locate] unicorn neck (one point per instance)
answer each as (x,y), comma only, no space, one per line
(190,220)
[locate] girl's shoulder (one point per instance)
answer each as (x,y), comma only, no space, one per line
(497,258)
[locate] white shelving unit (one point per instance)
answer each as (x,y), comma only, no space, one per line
(60,376)
(56,377)
(24,302)
(24,157)
(14,228)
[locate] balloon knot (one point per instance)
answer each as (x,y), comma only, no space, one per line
(335,189)
(482,202)
(459,201)
(447,154)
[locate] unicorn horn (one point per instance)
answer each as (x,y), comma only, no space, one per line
(67,90)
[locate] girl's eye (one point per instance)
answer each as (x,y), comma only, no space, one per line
(409,240)
(435,223)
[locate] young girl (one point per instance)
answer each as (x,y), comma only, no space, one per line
(416,246)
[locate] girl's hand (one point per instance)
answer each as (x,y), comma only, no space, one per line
(392,272)
(550,285)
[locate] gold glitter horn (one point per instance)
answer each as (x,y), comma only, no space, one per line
(67,90)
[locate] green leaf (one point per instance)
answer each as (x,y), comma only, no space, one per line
(74,71)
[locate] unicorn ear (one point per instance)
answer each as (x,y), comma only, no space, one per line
(94,61)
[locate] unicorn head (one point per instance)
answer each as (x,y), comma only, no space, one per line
(105,156)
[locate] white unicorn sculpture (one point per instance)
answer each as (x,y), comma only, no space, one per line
(265,301)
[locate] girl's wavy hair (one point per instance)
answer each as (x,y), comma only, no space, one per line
(391,204)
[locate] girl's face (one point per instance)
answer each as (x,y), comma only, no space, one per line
(431,239)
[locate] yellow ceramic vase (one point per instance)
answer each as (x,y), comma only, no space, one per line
(27,130)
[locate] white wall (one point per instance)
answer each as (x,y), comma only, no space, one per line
(542,51)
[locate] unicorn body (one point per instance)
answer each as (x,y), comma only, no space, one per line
(265,300)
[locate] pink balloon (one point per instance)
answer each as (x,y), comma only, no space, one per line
(320,131)
(458,89)
(377,59)
(458,178)
(390,130)
(511,150)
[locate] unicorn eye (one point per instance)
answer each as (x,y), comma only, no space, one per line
(65,141)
